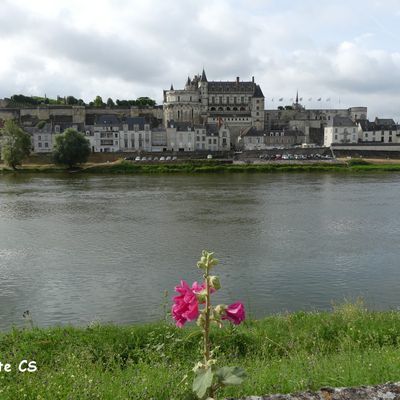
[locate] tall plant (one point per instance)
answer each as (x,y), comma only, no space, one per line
(208,378)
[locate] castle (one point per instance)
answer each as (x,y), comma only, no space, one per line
(237,103)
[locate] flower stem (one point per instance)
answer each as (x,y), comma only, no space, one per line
(207,343)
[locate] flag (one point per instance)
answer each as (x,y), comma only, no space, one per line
(319,99)
(281,99)
(300,99)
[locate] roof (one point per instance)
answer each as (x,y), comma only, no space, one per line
(232,86)
(107,119)
(252,131)
(258,92)
(180,126)
(203,76)
(384,121)
(132,121)
(342,121)
(380,124)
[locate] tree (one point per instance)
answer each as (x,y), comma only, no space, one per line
(98,102)
(110,102)
(71,100)
(71,148)
(145,101)
(15,144)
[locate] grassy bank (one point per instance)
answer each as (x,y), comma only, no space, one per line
(286,353)
(195,167)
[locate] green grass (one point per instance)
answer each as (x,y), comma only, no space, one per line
(214,166)
(284,353)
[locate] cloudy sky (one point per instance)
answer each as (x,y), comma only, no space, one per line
(345,50)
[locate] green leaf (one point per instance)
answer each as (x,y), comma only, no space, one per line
(202,382)
(230,375)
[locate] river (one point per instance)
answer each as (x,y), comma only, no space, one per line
(82,249)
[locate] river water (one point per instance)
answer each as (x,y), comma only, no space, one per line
(82,249)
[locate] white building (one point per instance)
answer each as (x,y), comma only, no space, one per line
(341,130)
(135,135)
(180,137)
(105,134)
(381,130)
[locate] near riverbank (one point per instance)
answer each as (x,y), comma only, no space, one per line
(285,353)
(211,166)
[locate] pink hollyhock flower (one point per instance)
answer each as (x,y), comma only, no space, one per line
(186,305)
(235,313)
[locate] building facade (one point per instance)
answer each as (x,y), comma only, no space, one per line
(238,104)
(342,130)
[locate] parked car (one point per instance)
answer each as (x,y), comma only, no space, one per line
(137,158)
(209,157)
(144,159)
(168,158)
(174,158)
(162,158)
(155,158)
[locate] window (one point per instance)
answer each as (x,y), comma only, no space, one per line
(39,137)
(116,136)
(336,137)
(335,130)
(390,139)
(215,141)
(39,144)
(198,138)
(46,145)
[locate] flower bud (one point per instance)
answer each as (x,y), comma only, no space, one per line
(201,296)
(214,282)
(219,310)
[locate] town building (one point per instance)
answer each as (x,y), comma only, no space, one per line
(341,130)
(382,130)
(253,139)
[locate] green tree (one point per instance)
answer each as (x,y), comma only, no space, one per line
(145,101)
(71,148)
(98,102)
(15,144)
(110,102)
(71,100)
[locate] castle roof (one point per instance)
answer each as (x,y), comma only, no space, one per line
(232,86)
(258,92)
(203,76)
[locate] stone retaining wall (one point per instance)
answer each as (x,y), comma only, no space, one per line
(379,392)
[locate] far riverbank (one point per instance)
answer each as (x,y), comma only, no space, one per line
(212,166)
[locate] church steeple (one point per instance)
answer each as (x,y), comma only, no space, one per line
(172,87)
(203,76)
(297,97)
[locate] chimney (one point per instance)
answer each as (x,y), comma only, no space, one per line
(237,79)
(252,79)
